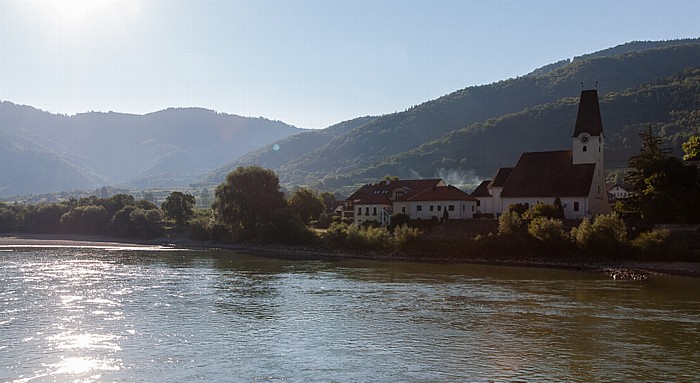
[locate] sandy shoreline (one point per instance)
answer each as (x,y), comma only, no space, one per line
(615,269)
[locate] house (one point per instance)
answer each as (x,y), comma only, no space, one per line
(574,176)
(617,191)
(373,202)
(441,202)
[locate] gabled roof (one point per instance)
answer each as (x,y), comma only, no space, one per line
(388,186)
(437,193)
(549,174)
(374,199)
(482,190)
(588,119)
(501,177)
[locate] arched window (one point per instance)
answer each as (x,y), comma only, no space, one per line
(585,149)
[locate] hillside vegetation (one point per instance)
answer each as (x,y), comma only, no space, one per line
(388,144)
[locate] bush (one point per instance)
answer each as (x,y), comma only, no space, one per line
(607,235)
(547,230)
(405,237)
(509,223)
(545,210)
(341,235)
(652,243)
(369,238)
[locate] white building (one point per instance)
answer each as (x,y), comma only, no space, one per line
(574,176)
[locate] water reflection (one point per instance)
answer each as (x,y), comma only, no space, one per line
(90,315)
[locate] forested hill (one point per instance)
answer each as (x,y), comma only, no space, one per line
(274,155)
(671,106)
(352,158)
(43,152)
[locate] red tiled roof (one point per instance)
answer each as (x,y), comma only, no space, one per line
(374,199)
(482,190)
(588,119)
(386,187)
(501,177)
(438,193)
(549,174)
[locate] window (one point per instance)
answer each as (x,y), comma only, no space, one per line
(439,207)
(575,206)
(403,209)
(419,208)
(464,208)
(472,208)
(585,149)
(359,211)
(431,207)
(374,211)
(367,210)
(451,208)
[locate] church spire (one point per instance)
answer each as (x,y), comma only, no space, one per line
(588,119)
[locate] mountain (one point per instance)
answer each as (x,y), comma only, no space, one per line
(273,156)
(51,152)
(670,105)
(354,157)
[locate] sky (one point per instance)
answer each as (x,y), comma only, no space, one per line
(307,63)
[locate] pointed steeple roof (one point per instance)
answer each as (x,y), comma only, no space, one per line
(588,119)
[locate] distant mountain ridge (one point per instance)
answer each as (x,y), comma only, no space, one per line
(355,156)
(462,136)
(98,149)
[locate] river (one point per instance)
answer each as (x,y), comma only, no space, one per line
(141,314)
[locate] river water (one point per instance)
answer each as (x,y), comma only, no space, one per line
(127,315)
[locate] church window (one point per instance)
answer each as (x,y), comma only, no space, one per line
(575,206)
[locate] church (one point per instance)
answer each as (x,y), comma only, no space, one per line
(574,176)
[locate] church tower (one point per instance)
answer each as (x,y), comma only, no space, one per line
(588,135)
(588,148)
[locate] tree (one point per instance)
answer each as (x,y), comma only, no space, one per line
(247,199)
(667,191)
(307,204)
(546,210)
(509,222)
(89,219)
(179,207)
(691,148)
(606,235)
(650,154)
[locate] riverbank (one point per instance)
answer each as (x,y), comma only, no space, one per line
(636,270)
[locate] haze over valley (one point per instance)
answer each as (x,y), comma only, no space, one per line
(462,136)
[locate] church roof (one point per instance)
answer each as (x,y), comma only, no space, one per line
(549,174)
(588,119)
(501,177)
(482,190)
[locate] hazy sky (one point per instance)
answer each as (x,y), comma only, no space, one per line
(307,63)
